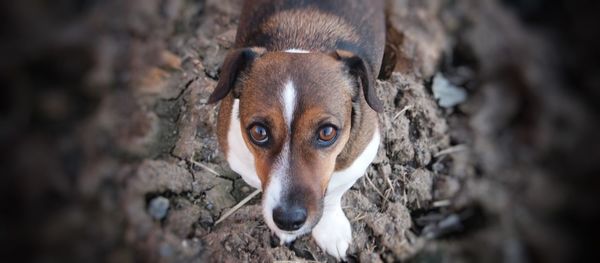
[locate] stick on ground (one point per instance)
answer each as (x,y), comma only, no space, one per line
(238,206)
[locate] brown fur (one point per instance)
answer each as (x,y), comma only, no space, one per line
(290,28)
(317,79)
(335,83)
(324,92)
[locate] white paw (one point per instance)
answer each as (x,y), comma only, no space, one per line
(333,233)
(285,238)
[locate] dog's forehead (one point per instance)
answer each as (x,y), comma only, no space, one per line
(318,81)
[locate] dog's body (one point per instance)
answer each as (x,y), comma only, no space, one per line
(298,114)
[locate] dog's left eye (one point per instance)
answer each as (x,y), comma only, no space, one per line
(326,135)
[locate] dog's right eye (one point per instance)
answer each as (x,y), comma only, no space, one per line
(259,134)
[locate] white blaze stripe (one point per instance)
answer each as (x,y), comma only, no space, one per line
(278,177)
(289,103)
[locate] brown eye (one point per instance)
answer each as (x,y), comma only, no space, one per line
(326,136)
(259,134)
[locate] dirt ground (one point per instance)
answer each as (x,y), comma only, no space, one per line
(115,155)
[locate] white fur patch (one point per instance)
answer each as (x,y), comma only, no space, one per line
(300,51)
(239,157)
(333,232)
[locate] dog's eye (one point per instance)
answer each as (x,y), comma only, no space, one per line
(259,134)
(326,136)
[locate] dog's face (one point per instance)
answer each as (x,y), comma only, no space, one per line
(295,115)
(296,110)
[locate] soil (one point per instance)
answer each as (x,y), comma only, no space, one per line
(114,155)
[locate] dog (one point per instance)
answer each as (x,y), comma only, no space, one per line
(298,115)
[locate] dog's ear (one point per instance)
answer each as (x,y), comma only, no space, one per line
(235,62)
(360,69)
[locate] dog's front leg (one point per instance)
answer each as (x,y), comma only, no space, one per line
(333,232)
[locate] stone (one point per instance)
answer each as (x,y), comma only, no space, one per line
(447,94)
(158,207)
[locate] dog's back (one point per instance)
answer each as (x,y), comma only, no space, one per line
(357,26)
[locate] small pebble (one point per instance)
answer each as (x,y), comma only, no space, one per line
(245,189)
(438,167)
(158,207)
(448,95)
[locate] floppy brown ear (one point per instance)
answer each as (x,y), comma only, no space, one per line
(235,62)
(359,68)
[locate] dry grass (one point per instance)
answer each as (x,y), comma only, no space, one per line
(451,150)
(238,206)
(203,166)
(407,107)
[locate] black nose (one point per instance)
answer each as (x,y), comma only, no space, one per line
(289,218)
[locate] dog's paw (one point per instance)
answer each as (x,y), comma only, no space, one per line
(333,233)
(286,239)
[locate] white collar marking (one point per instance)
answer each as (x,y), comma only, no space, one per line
(341,181)
(299,51)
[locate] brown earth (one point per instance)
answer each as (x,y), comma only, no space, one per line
(130,128)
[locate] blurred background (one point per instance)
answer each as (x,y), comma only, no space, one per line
(491,150)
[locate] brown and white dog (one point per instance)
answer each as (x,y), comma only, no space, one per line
(298,117)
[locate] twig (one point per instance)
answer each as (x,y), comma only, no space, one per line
(375,187)
(453,149)
(358,217)
(238,206)
(441,203)
(251,237)
(407,107)
(390,184)
(205,167)
(386,199)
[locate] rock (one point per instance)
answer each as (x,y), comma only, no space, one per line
(158,207)
(160,176)
(182,217)
(447,94)
(193,122)
(219,198)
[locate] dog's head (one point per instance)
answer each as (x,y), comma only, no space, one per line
(296,115)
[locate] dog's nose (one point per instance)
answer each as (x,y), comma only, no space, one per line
(289,218)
